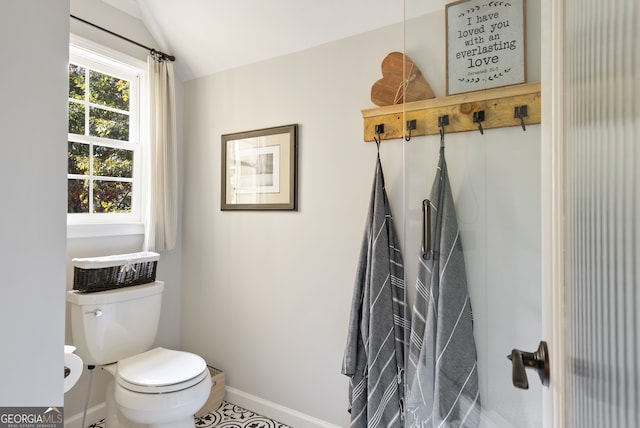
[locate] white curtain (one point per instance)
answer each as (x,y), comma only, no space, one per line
(162,194)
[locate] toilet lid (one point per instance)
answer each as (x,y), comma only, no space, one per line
(161,368)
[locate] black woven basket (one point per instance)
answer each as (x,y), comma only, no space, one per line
(129,272)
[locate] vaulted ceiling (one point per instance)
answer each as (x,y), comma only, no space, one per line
(209,36)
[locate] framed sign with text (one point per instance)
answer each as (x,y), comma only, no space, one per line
(485,44)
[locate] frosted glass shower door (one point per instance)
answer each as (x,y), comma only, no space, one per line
(602,162)
(495,180)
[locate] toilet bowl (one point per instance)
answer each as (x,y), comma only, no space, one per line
(157,388)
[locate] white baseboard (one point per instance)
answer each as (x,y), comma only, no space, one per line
(94,414)
(274,411)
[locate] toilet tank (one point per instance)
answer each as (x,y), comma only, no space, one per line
(108,326)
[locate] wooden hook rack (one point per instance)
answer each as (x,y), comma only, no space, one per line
(498,105)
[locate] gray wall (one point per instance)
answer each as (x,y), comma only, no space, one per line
(266,295)
(34,43)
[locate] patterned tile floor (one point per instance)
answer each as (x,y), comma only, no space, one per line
(228,415)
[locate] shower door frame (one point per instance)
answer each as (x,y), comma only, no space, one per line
(552,207)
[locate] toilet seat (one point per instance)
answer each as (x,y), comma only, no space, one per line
(161,370)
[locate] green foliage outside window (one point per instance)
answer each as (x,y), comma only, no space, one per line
(104,114)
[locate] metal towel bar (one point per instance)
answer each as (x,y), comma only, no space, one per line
(426,229)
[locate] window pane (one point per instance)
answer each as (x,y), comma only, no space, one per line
(76,118)
(77,82)
(111,197)
(108,91)
(78,155)
(108,124)
(78,196)
(110,162)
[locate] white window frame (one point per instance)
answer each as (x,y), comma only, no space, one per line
(108,61)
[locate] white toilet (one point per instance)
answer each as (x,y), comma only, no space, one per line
(157,388)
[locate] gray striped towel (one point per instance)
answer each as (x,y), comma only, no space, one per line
(374,354)
(442,373)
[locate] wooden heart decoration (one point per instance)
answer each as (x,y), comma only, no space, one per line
(394,87)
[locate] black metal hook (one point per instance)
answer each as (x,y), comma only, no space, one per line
(520,112)
(442,122)
(411,125)
(379,129)
(478,117)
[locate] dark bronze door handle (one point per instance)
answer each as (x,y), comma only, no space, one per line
(538,360)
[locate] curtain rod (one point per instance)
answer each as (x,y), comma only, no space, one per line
(154,52)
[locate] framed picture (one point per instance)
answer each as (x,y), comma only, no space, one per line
(485,44)
(259,169)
